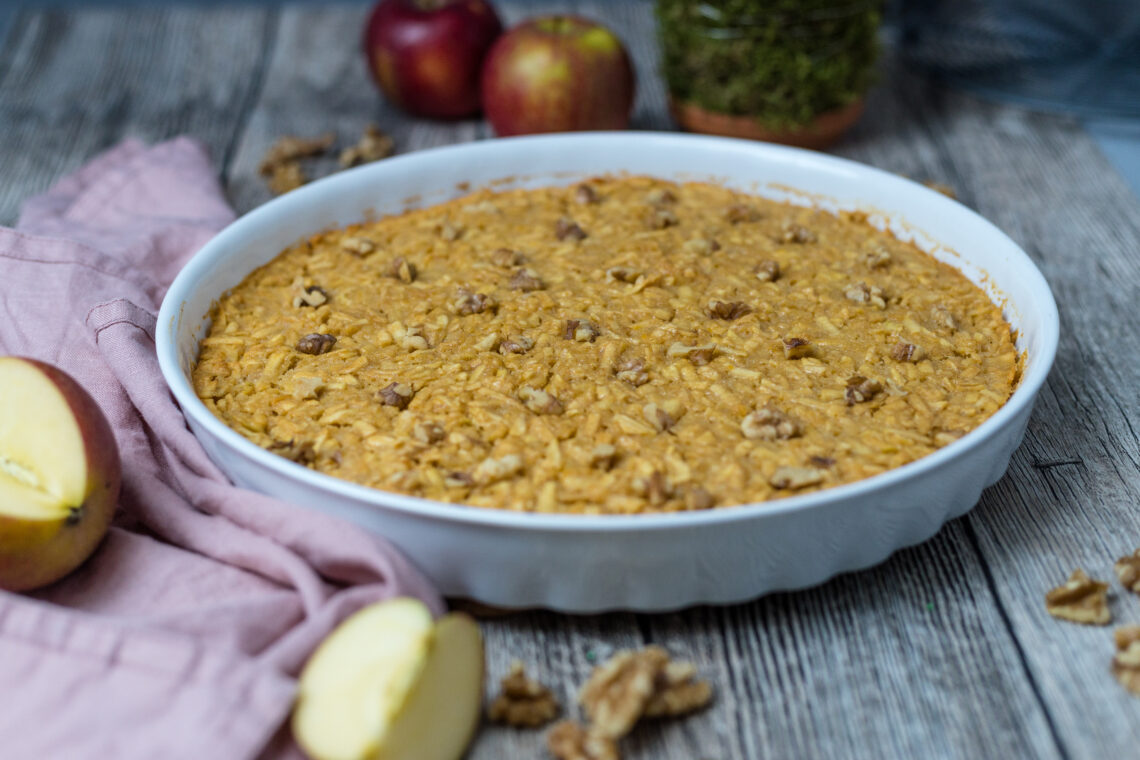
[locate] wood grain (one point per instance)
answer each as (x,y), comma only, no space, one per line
(945,650)
(73,84)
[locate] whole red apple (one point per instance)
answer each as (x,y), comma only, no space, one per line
(59,474)
(557,74)
(426,54)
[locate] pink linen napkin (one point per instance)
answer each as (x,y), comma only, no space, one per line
(181,636)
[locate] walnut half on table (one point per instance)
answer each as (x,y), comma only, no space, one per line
(1080,600)
(522,701)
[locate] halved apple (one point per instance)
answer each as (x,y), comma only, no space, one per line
(389,684)
(59,474)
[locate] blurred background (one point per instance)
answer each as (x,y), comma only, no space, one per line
(1073,56)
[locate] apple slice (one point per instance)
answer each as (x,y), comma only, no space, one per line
(442,712)
(59,474)
(387,684)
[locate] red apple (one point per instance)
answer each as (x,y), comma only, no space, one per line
(426,54)
(59,474)
(557,74)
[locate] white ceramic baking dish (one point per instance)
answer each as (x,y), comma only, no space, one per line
(649,562)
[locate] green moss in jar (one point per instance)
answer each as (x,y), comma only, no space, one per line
(782,61)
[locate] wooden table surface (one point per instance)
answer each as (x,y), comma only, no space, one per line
(943,651)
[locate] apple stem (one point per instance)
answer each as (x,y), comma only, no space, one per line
(430,5)
(74,515)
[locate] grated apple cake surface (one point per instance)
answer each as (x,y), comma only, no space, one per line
(621,346)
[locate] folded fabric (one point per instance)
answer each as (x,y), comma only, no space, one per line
(182,635)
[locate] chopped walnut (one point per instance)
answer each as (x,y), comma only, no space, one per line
(313,296)
(1080,600)
(526,280)
(622,274)
(659,196)
(492,470)
(398,395)
(285,177)
(797,233)
(428,432)
(288,149)
(877,258)
(617,692)
(702,246)
(677,692)
(301,453)
(632,371)
(316,343)
(567,740)
(402,270)
(1126,663)
(522,701)
(698,355)
(860,292)
(357,246)
(662,418)
(740,212)
(860,390)
(603,456)
(1128,571)
(769,424)
(943,317)
(539,401)
(655,487)
(450,231)
(505,258)
(907,352)
(586,195)
(796,348)
(458,480)
(519,344)
(728,311)
(660,218)
(697,498)
(567,229)
(768,271)
(372,146)
(473,303)
(790,477)
(580,330)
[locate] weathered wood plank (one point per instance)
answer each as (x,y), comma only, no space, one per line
(74,83)
(1042,179)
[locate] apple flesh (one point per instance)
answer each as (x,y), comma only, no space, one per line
(59,474)
(391,684)
(426,54)
(557,74)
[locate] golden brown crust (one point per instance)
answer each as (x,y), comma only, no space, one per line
(534,326)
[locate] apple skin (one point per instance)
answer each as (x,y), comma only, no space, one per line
(35,552)
(426,54)
(557,74)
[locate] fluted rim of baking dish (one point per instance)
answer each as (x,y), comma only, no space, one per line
(217,250)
